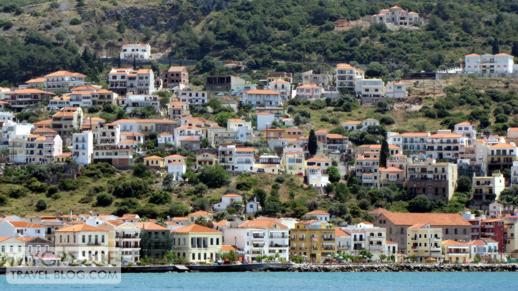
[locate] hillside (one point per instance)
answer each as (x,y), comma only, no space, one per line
(280,35)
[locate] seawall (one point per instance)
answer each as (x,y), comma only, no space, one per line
(404,268)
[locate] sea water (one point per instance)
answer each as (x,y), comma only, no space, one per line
(257,281)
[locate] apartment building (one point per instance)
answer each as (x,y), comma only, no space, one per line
(89,96)
(196,243)
(20,99)
(176,166)
(176,76)
(492,65)
(193,97)
(83,147)
(293,161)
(396,90)
(445,145)
(467,130)
(501,156)
(177,109)
(63,81)
(135,51)
(259,237)
(322,79)
(487,189)
(437,181)
(410,142)
(365,236)
(129,81)
(224,83)
(66,121)
(346,76)
(43,149)
(261,98)
(424,242)
(313,240)
(453,226)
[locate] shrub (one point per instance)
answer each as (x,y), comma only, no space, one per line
(41,205)
(36,186)
(103,200)
(178,209)
(75,21)
(68,185)
(214,176)
(3,200)
(18,192)
(129,188)
(279,179)
(160,198)
(52,190)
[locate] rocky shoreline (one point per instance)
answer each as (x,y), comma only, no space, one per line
(404,268)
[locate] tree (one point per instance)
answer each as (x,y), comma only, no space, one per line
(464,184)
(103,200)
(41,205)
(260,194)
(384,153)
(312,143)
(334,174)
(178,209)
(509,196)
(419,204)
(214,176)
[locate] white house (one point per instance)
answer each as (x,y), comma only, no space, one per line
(13,248)
(319,215)
(176,166)
(282,87)
(137,51)
(346,76)
(22,228)
(193,97)
(370,90)
(259,237)
(396,90)
(83,147)
(261,98)
(264,120)
(487,64)
(226,201)
(309,91)
(129,81)
(487,189)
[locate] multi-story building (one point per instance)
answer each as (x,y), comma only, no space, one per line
(282,87)
(155,240)
(365,236)
(396,90)
(370,91)
(236,159)
(224,83)
(66,121)
(83,242)
(468,131)
(424,242)
(259,237)
(176,166)
(43,149)
(501,156)
(397,16)
(127,239)
(445,145)
(193,97)
(437,181)
(135,51)
(309,91)
(322,79)
(23,98)
(83,147)
(487,64)
(176,76)
(453,225)
(487,189)
(346,76)
(90,96)
(261,98)
(139,102)
(313,240)
(129,81)
(293,161)
(409,142)
(197,244)
(21,228)
(177,109)
(63,81)
(511,234)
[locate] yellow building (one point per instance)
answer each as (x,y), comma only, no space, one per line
(154,162)
(456,252)
(313,239)
(196,243)
(424,242)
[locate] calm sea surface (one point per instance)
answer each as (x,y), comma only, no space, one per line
(296,282)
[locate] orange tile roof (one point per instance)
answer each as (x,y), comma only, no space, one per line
(30,91)
(200,213)
(37,80)
(64,74)
(263,224)
(24,224)
(334,136)
(308,86)
(434,219)
(446,135)
(152,158)
(414,134)
(450,242)
(261,92)
(390,170)
(80,227)
(472,55)
(228,248)
(231,195)
(319,159)
(195,228)
(149,225)
(502,146)
(340,232)
(344,66)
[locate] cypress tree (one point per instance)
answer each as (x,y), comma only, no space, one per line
(384,153)
(312,143)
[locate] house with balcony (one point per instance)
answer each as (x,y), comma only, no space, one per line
(83,242)
(501,156)
(282,87)
(63,81)
(130,81)
(83,147)
(370,91)
(193,97)
(260,237)
(227,200)
(437,181)
(67,121)
(132,103)
(501,64)
(445,145)
(313,240)
(176,76)
(176,166)
(424,242)
(365,236)
(196,243)
(20,99)
(346,76)
(261,98)
(396,16)
(486,190)
(309,91)
(135,51)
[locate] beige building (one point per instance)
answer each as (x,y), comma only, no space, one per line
(196,243)
(66,121)
(437,181)
(313,240)
(83,242)
(424,242)
(346,76)
(453,225)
